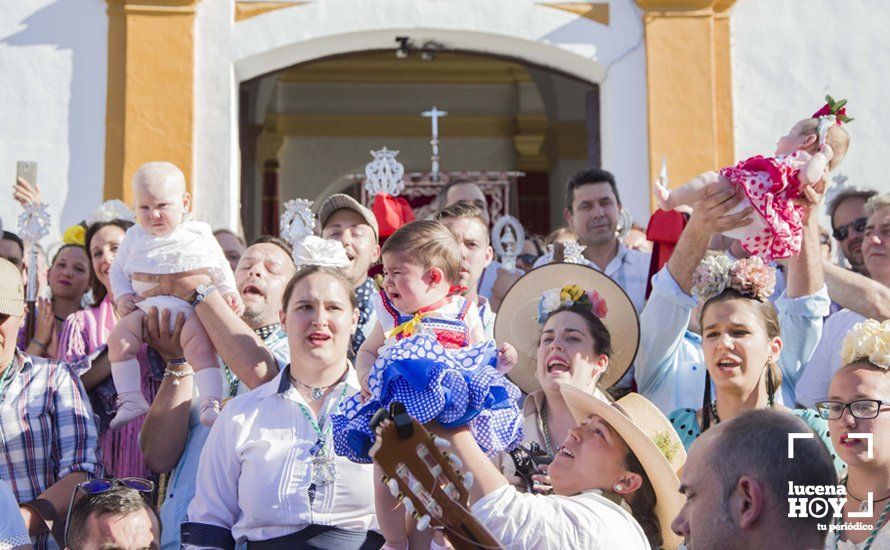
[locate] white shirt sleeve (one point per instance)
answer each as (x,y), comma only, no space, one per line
(13,533)
(815,377)
(216,488)
(521,520)
(120,282)
(220,270)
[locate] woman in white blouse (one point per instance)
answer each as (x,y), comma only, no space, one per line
(268,475)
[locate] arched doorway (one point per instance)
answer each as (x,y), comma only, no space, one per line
(305,128)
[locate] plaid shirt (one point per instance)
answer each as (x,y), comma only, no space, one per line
(47,429)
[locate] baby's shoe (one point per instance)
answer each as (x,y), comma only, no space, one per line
(130,406)
(209,411)
(662,195)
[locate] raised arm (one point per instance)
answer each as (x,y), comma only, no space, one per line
(856,292)
(804,275)
(240,348)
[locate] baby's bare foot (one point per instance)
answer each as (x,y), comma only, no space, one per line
(662,195)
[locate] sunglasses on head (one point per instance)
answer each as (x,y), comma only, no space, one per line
(843,231)
(103,485)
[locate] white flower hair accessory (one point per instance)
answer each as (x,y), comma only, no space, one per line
(567,296)
(314,250)
(868,341)
(297,225)
(110,211)
(748,276)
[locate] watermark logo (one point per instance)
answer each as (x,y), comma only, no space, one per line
(827,501)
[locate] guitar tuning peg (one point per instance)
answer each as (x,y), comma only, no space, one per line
(441,442)
(451,491)
(423,522)
(467,480)
(458,463)
(393,486)
(409,506)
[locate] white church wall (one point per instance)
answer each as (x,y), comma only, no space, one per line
(53,65)
(515,28)
(782,71)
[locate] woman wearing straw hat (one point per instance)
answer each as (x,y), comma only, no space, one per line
(561,318)
(625,452)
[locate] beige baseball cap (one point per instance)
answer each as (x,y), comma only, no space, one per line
(340,201)
(12,290)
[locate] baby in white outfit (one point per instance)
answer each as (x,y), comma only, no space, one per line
(163,241)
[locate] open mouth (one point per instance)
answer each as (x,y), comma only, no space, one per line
(849,442)
(565,452)
(558,364)
(728,364)
(318,338)
(251,290)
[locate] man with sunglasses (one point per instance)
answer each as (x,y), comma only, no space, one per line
(113,513)
(848,219)
(49,437)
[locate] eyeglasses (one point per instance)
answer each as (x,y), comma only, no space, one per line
(843,231)
(103,485)
(863,409)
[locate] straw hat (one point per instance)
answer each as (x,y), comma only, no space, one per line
(12,290)
(652,440)
(517,320)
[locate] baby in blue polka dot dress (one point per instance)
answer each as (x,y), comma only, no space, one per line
(428,351)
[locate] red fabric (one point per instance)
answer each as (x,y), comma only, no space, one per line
(664,231)
(391,213)
(826,111)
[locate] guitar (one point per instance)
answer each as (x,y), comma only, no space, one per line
(423,477)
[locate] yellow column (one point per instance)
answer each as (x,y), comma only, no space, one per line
(150,90)
(689,85)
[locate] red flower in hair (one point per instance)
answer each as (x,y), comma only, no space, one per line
(836,108)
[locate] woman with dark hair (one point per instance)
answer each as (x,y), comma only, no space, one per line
(85,333)
(614,478)
(571,343)
(268,475)
(68,278)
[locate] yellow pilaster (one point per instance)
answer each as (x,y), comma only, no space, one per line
(689,86)
(150,90)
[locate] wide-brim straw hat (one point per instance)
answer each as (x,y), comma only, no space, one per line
(517,320)
(650,437)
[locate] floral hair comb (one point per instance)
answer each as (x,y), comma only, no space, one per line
(868,341)
(109,211)
(748,276)
(833,112)
(570,295)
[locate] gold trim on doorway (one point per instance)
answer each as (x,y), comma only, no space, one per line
(596,11)
(246,10)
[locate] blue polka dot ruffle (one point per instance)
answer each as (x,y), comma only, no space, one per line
(455,388)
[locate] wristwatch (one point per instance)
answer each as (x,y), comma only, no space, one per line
(201,292)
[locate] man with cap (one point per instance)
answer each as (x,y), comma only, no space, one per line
(50,441)
(344,219)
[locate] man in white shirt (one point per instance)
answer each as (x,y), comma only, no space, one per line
(592,209)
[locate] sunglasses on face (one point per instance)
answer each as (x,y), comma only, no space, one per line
(103,485)
(863,409)
(843,231)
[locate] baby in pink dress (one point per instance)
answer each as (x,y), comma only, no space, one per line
(813,147)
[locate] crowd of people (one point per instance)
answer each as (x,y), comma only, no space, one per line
(178,387)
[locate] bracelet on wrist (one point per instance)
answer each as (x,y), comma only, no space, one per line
(177,361)
(176,375)
(38,343)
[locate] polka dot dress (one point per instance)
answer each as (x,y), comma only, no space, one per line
(455,387)
(770,186)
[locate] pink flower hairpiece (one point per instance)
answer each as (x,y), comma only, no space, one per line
(749,277)
(567,296)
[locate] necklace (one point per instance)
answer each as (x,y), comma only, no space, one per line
(324,469)
(317,391)
(864,503)
(874,532)
(267,331)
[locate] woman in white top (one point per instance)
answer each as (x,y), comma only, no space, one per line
(568,343)
(622,456)
(859,403)
(268,475)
